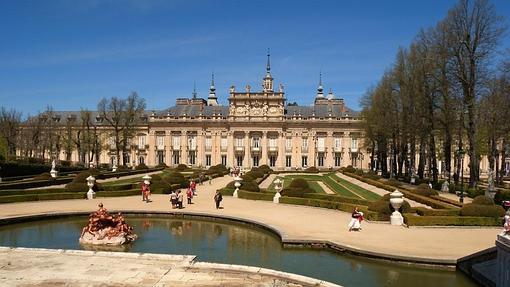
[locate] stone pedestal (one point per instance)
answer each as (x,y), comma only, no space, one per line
(396,200)
(503,261)
(53,173)
(276,198)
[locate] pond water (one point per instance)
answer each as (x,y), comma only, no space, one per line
(222,242)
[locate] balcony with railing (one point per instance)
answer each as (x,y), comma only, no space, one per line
(192,147)
(176,147)
(288,148)
(223,148)
(337,149)
(239,148)
(304,149)
(273,149)
(321,149)
(255,149)
(208,148)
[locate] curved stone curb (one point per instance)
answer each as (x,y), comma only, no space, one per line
(299,279)
(285,239)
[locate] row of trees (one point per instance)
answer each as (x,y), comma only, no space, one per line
(48,134)
(444,95)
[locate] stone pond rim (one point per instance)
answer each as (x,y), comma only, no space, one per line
(285,240)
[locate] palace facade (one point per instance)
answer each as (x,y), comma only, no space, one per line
(256,128)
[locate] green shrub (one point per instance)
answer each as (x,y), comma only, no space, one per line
(371,175)
(474,192)
(413,220)
(350,169)
(159,185)
(141,166)
(359,172)
(471,209)
(393,182)
(483,200)
(249,186)
(79,183)
(181,167)
(117,187)
(226,191)
(299,183)
(255,195)
(312,169)
(219,169)
(424,190)
(501,195)
(437,212)
(175,177)
(336,198)
(265,169)
(254,173)
(118,193)
(125,168)
(43,176)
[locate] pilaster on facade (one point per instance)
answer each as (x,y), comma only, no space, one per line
(264,143)
(247,157)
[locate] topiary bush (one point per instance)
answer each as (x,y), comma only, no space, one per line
(43,176)
(472,209)
(297,188)
(218,169)
(141,166)
(359,172)
(245,185)
(159,184)
(312,169)
(299,183)
(425,190)
(255,173)
(79,183)
(501,195)
(125,168)
(162,165)
(393,182)
(181,167)
(349,169)
(482,200)
(175,177)
(265,169)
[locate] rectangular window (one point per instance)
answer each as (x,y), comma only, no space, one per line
(141,141)
(191,158)
(338,160)
(272,142)
(272,161)
(256,142)
(239,141)
(338,143)
(192,142)
(320,159)
(161,157)
(354,144)
(304,161)
(288,143)
(224,160)
(239,160)
(321,143)
(160,141)
(224,143)
(288,161)
(176,141)
(305,143)
(208,160)
(177,157)
(208,143)
(255,160)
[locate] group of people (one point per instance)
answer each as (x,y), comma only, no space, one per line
(177,197)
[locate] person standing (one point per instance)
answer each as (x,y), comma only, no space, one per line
(173,199)
(193,186)
(356,218)
(189,195)
(180,198)
(145,192)
(210,179)
(217,199)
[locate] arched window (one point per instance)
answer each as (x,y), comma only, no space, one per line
(141,160)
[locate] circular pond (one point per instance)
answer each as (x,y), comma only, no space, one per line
(232,243)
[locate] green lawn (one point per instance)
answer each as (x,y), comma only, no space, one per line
(366,194)
(336,184)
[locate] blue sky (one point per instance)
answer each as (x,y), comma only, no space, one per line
(70,54)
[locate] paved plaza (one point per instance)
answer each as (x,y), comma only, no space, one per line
(298,223)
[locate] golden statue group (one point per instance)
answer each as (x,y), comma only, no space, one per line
(106,229)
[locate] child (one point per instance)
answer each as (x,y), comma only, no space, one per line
(189,195)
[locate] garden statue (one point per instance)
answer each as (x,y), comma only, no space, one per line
(53,171)
(105,229)
(444,187)
(237,184)
(491,191)
(90,183)
(278,184)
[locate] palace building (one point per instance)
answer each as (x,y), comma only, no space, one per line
(256,128)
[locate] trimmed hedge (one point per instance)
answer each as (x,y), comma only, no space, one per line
(31,191)
(144,166)
(312,169)
(255,195)
(117,187)
(44,196)
(501,195)
(117,193)
(483,200)
(14,169)
(245,185)
(384,208)
(24,184)
(472,209)
(182,167)
(336,198)
(437,212)
(226,191)
(176,177)
(447,200)
(413,220)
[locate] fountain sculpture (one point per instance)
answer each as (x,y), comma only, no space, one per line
(106,229)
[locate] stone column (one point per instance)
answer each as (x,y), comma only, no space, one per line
(280,162)
(151,150)
(263,156)
(247,158)
(312,148)
(184,147)
(200,153)
(230,149)
(329,150)
(346,144)
(168,150)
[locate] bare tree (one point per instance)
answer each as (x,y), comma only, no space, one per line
(9,129)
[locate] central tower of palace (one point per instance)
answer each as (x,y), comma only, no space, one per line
(258,106)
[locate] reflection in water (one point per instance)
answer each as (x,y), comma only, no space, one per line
(235,244)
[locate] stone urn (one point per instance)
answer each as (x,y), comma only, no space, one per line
(278,186)
(147,179)
(237,184)
(90,183)
(114,168)
(53,171)
(396,200)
